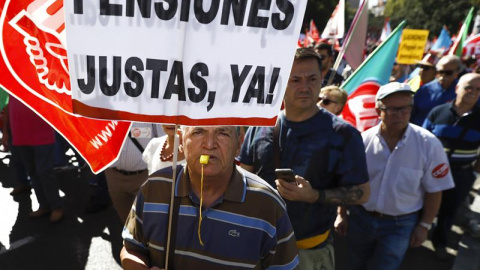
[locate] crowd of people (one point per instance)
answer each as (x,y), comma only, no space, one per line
(382,188)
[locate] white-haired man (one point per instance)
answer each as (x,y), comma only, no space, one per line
(408,170)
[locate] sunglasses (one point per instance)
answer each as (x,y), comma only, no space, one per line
(326,101)
(426,68)
(445,72)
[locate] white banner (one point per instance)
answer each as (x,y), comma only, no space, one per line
(336,24)
(191,62)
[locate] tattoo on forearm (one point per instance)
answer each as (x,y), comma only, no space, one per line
(343,195)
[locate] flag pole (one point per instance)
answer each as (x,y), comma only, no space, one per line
(346,43)
(400,26)
(172,196)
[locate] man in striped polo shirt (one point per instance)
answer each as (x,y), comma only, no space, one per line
(243,224)
(457,125)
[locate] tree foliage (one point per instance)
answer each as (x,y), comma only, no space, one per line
(320,11)
(420,14)
(430,14)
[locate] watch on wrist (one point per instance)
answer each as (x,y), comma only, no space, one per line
(425,225)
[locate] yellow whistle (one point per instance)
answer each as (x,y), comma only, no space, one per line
(204,159)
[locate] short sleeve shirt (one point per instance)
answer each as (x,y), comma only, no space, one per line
(27,128)
(324,149)
(400,178)
(246,228)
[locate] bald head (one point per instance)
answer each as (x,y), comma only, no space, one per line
(450,59)
(468,78)
(468,91)
(448,69)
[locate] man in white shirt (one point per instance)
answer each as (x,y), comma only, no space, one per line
(129,172)
(408,170)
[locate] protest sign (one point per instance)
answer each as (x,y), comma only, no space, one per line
(412,46)
(186,62)
(34,70)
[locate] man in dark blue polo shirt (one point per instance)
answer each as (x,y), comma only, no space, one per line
(457,125)
(326,154)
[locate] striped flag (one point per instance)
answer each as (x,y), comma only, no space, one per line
(457,47)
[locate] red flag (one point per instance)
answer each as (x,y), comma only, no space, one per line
(335,28)
(34,69)
(386,30)
(308,41)
(314,31)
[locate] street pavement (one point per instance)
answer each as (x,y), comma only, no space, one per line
(93,241)
(80,241)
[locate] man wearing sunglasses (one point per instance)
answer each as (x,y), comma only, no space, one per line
(457,125)
(326,54)
(439,91)
(408,170)
(428,71)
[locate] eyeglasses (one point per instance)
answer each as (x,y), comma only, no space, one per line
(445,72)
(391,110)
(326,101)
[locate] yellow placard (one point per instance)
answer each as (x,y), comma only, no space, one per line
(412,46)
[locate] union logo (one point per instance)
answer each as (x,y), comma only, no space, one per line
(360,108)
(33,48)
(440,170)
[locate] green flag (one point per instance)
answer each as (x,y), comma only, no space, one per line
(457,47)
(3,98)
(363,84)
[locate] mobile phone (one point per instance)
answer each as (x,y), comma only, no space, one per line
(285,174)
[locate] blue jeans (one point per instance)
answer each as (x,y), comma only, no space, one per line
(381,241)
(38,161)
(21,176)
(60,147)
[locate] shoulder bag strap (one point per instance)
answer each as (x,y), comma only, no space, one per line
(137,144)
(276,143)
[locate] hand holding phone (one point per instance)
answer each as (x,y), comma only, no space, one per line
(285,174)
